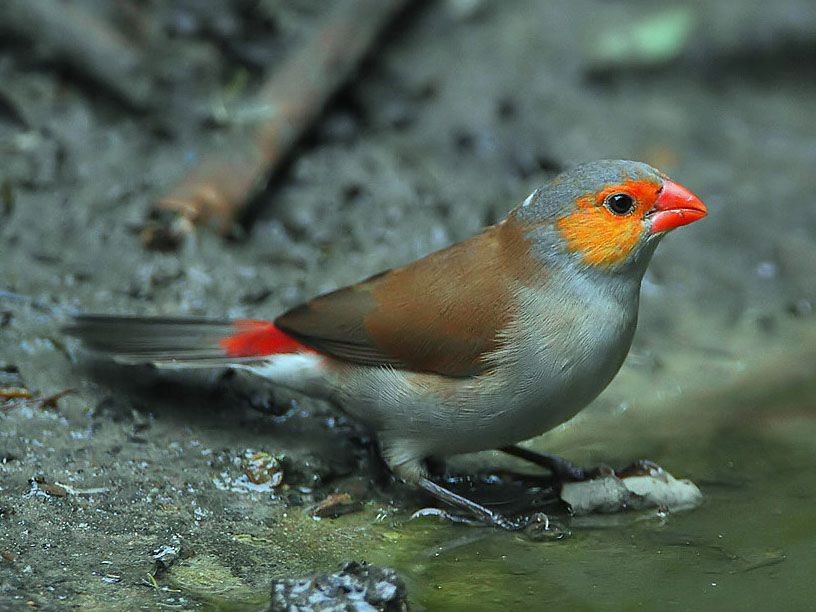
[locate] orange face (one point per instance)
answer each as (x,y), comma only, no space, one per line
(607,225)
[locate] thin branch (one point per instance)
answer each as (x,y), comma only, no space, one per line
(286,106)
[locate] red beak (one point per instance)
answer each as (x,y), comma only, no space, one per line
(675,206)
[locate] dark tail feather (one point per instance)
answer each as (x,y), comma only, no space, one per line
(164,342)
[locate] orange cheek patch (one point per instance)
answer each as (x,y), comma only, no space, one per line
(602,241)
(603,238)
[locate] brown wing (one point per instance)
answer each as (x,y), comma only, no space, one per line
(439,314)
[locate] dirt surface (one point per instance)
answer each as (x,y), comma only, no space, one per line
(137,489)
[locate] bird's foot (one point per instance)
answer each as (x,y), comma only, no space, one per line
(537,526)
(566,471)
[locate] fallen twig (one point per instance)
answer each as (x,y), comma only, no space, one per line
(12,385)
(15,393)
(52,401)
(66,34)
(285,107)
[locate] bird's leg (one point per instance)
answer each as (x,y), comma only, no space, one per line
(412,472)
(562,469)
(482,514)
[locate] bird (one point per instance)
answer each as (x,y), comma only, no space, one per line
(481,345)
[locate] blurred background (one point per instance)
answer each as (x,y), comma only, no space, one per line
(235,158)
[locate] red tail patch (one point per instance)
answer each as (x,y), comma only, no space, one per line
(259,338)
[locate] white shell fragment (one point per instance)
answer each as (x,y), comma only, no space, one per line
(610,493)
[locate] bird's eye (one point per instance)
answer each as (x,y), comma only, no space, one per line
(620,203)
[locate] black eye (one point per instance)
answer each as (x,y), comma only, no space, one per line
(620,203)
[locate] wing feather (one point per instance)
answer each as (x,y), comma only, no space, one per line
(442,313)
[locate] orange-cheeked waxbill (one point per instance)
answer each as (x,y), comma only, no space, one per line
(481,345)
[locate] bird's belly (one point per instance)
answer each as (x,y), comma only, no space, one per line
(513,412)
(450,416)
(543,398)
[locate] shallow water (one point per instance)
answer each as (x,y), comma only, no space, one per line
(751,544)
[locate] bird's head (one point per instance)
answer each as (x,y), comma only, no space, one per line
(606,215)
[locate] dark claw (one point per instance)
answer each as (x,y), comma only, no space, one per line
(642,467)
(536,527)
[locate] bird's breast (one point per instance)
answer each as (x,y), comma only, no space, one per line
(561,350)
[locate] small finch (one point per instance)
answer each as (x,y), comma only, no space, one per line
(481,345)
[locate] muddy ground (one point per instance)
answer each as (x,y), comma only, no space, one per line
(131,489)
